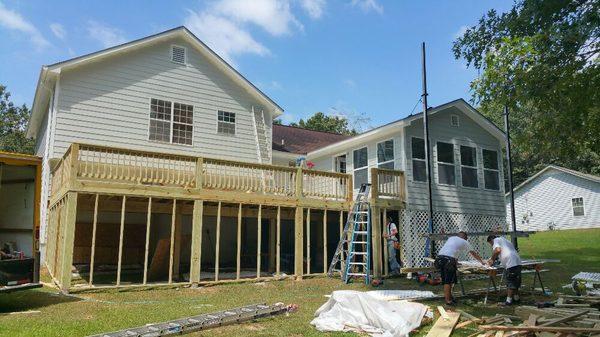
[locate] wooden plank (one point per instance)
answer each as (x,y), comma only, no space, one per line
(538,328)
(239,244)
(258,240)
(325,260)
(308,241)
(217,241)
(377,242)
(177,244)
(298,243)
(147,245)
(196,246)
(443,327)
(94,228)
(121,231)
(443,313)
(278,257)
(386,254)
(172,244)
(66,248)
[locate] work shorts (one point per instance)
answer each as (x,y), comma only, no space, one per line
(513,277)
(447,267)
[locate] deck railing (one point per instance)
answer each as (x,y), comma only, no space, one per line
(387,184)
(83,162)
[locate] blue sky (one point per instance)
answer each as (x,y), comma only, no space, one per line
(350,57)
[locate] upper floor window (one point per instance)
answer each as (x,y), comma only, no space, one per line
(468,166)
(491,170)
(361,169)
(226,122)
(171,122)
(578,209)
(419,168)
(385,154)
(445,163)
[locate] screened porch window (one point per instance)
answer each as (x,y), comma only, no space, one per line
(385,155)
(445,163)
(491,170)
(468,166)
(361,169)
(419,169)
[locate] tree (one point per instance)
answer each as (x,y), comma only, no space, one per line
(541,60)
(13,125)
(321,122)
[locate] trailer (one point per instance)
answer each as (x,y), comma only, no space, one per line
(20,191)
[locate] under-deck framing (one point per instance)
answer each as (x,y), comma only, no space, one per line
(125,208)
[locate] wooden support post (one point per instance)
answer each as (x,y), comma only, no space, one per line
(66,249)
(72,184)
(376,240)
(278,257)
(94,229)
(299,242)
(308,241)
(147,246)
(342,224)
(172,244)
(199,173)
(217,242)
(121,232)
(272,244)
(196,248)
(258,240)
(239,244)
(325,260)
(386,257)
(178,238)
(299,176)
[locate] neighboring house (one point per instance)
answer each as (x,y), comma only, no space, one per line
(557,198)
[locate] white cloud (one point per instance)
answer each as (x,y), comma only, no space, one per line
(368,5)
(107,36)
(287,118)
(274,16)
(12,20)
(314,8)
(225,37)
(58,30)
(460,32)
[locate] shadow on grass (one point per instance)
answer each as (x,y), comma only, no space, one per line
(31,300)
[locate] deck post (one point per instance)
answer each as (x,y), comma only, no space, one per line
(74,166)
(172,244)
(217,241)
(66,255)
(325,241)
(178,238)
(199,174)
(272,244)
(239,244)
(258,240)
(308,241)
(278,254)
(93,252)
(299,178)
(196,248)
(386,258)
(121,234)
(376,240)
(299,242)
(342,225)
(147,246)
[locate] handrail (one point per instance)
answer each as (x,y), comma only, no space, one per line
(387,183)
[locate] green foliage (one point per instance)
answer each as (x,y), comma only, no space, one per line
(13,125)
(321,122)
(541,59)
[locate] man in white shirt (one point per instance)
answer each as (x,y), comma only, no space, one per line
(447,263)
(392,240)
(510,260)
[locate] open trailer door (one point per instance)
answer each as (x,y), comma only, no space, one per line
(20,190)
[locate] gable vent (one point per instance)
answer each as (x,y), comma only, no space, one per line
(454,121)
(178,54)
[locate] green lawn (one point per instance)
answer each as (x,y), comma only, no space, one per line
(101,312)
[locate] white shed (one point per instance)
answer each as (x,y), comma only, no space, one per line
(557,198)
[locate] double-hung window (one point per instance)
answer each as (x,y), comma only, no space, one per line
(419,168)
(445,163)
(171,122)
(491,170)
(226,122)
(361,169)
(578,209)
(468,166)
(385,154)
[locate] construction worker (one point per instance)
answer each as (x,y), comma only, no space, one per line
(510,260)
(390,235)
(447,263)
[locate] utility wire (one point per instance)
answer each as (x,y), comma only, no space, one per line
(416,104)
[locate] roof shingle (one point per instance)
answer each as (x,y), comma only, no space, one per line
(301,141)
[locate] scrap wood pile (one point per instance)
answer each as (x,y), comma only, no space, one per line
(568,316)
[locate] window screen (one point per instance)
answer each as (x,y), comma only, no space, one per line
(445,159)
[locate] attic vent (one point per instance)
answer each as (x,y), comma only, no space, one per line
(454,121)
(178,54)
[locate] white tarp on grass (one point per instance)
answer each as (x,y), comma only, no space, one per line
(348,310)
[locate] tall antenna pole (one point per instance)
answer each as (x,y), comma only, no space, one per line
(431,243)
(510,174)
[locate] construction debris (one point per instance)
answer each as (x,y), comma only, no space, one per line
(444,326)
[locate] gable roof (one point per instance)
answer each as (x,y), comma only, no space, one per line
(50,73)
(586,176)
(394,126)
(301,141)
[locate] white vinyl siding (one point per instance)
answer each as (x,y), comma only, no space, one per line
(107,103)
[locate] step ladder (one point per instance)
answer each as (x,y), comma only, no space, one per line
(200,322)
(352,257)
